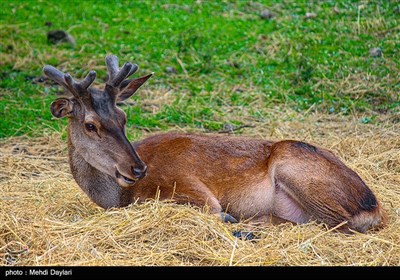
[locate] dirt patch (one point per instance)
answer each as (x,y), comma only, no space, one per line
(45,219)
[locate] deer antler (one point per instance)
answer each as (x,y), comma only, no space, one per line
(78,89)
(116,76)
(117,86)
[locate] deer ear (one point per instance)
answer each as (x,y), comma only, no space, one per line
(132,86)
(61,107)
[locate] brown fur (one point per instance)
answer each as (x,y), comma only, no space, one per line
(252,178)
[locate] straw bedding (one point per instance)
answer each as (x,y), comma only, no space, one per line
(45,219)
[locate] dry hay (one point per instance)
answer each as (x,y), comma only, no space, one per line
(45,219)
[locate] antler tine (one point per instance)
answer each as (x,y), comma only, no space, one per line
(71,85)
(122,74)
(112,67)
(134,68)
(116,75)
(89,79)
(54,74)
(66,81)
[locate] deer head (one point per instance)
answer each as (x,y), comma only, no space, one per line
(96,125)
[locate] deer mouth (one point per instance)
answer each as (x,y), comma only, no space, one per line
(124,181)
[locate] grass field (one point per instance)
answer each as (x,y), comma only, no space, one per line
(213,62)
(311,71)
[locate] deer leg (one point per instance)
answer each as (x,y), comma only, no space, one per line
(312,183)
(246,235)
(286,208)
(226,218)
(269,219)
(197,193)
(258,221)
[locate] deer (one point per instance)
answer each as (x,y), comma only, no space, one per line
(233,177)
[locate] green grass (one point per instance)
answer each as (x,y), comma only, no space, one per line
(225,56)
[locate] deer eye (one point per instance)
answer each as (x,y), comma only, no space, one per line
(90,127)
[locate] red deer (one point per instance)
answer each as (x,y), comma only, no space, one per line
(233,177)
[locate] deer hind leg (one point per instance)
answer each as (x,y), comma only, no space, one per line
(268,219)
(311,183)
(286,208)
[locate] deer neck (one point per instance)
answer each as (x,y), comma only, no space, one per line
(101,188)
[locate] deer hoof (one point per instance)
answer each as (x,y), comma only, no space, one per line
(226,218)
(245,235)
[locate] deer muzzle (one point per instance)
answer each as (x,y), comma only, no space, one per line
(125,180)
(140,173)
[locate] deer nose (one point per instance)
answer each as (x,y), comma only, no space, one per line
(139,173)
